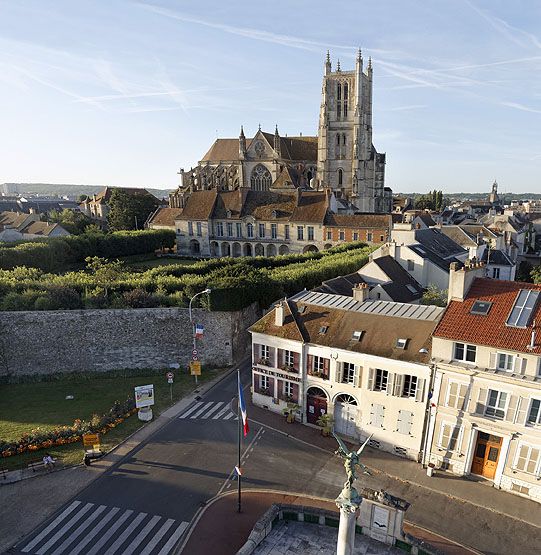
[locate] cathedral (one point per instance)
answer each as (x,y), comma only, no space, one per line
(341,158)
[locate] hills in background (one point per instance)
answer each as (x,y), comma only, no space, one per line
(69,190)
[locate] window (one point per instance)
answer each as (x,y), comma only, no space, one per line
(355,236)
(260,179)
(261,230)
(345,92)
(264,382)
(534,414)
(265,352)
(190,228)
(199,227)
(229,229)
(338,114)
(348,373)
(527,459)
(496,403)
(310,233)
(329,235)
(288,389)
(339,91)
(382,380)
(357,335)
(369,236)
(274,231)
(456,395)
(342,235)
(289,358)
(286,232)
(495,273)
(300,232)
(523,308)
(239,229)
(340,177)
(411,265)
(382,238)
(464,352)
(250,231)
(448,436)
(319,364)
(220,229)
(506,362)
(409,388)
(481,308)
(323,330)
(401,343)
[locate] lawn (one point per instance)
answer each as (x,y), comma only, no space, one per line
(44,405)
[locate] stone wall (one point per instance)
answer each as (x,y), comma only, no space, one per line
(100,340)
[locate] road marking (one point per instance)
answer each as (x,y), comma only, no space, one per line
(51,527)
(90,536)
(173,539)
(109,534)
(157,537)
(79,530)
(221,413)
(213,409)
(190,410)
(51,541)
(141,536)
(123,537)
(230,415)
(202,410)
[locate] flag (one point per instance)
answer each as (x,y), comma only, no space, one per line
(242,406)
(238,471)
(199,330)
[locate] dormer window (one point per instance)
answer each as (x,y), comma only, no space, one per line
(401,343)
(323,330)
(480,308)
(301,309)
(357,335)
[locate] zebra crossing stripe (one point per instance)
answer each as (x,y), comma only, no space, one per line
(228,416)
(124,536)
(79,530)
(90,536)
(157,537)
(173,539)
(190,410)
(64,529)
(51,527)
(202,410)
(141,536)
(109,534)
(221,413)
(213,409)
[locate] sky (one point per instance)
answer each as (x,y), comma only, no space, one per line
(124,93)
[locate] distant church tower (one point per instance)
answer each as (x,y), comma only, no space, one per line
(493,198)
(347,161)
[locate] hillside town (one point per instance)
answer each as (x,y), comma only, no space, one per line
(191,369)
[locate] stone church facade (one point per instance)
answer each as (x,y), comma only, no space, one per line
(341,158)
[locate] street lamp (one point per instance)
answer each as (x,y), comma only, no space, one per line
(206,291)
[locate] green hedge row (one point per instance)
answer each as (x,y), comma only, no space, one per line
(56,254)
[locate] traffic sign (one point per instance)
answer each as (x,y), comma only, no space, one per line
(169,380)
(194,354)
(195,368)
(169,375)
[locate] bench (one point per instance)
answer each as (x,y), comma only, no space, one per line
(38,464)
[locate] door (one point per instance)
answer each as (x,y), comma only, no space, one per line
(486,455)
(345,416)
(316,404)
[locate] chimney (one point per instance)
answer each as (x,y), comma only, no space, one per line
(360,292)
(279,314)
(461,278)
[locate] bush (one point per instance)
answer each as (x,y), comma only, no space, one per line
(139,298)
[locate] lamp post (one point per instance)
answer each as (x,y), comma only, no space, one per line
(206,291)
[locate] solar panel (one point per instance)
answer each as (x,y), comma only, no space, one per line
(480,307)
(523,308)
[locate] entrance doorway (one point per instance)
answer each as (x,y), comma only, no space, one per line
(486,455)
(345,415)
(316,404)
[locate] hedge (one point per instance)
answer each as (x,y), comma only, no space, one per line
(56,254)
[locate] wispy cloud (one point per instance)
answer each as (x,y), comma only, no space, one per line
(407,108)
(522,107)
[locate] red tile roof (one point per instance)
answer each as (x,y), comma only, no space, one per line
(490,330)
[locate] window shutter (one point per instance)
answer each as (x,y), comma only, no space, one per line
(492,363)
(295,391)
(462,397)
(358,375)
(390,383)
(420,391)
(310,363)
(452,394)
(511,408)
(377,415)
(281,391)
(398,385)
(257,352)
(272,356)
(296,358)
(326,365)
(445,434)
(371,376)
(519,366)
(271,387)
(339,371)
(281,360)
(522,410)
(404,422)
(481,401)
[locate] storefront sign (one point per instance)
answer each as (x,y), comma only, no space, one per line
(288,377)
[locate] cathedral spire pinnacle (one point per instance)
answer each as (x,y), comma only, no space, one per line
(241,131)
(259,127)
(338,66)
(328,59)
(328,66)
(359,55)
(370,62)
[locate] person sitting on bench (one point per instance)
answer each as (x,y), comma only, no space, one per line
(48,461)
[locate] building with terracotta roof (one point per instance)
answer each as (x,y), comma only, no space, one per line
(370,228)
(364,362)
(15,226)
(341,157)
(486,406)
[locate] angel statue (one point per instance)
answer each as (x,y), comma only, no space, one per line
(351,459)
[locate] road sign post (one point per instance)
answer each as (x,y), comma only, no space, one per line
(170,376)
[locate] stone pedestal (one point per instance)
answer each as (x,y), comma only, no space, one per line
(348,502)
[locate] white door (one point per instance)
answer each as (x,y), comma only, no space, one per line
(345,418)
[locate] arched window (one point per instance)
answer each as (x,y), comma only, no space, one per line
(339,92)
(344,142)
(340,177)
(345,92)
(260,179)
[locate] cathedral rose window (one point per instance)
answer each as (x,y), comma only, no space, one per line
(260,179)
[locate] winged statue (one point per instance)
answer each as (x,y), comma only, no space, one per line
(351,460)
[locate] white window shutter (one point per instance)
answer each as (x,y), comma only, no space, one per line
(390,383)
(523,403)
(404,422)
(511,408)
(358,375)
(419,393)
(462,403)
(371,375)
(398,385)
(481,401)
(339,371)
(493,360)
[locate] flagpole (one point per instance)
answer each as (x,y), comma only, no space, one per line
(239,435)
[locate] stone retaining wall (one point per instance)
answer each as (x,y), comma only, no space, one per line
(99,340)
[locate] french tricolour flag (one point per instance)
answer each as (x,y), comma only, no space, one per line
(242,405)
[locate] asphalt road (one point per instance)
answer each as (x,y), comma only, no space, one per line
(143,504)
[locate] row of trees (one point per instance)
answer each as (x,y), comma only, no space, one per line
(431,201)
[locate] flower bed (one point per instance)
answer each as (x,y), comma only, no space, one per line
(63,435)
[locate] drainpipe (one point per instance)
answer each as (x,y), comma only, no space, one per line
(428,415)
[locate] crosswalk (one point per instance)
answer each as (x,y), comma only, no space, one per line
(101,530)
(211,410)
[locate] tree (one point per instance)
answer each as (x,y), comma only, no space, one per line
(128,210)
(524,272)
(72,221)
(105,272)
(536,275)
(434,296)
(439,201)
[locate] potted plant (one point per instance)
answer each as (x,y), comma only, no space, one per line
(289,412)
(325,422)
